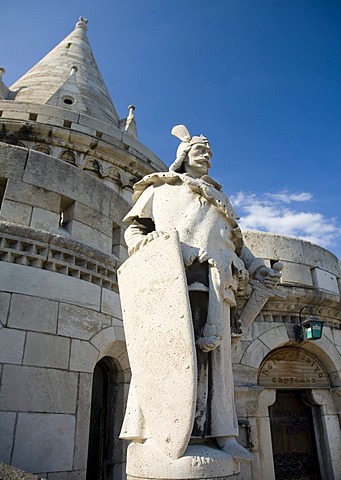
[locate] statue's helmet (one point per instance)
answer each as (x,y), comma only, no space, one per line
(181,132)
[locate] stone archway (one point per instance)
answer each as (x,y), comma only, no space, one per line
(257,392)
(111,376)
(293,373)
(101,435)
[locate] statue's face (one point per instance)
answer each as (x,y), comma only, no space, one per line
(198,160)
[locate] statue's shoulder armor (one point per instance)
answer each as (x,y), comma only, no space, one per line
(156,179)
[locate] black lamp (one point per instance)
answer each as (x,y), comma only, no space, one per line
(310,329)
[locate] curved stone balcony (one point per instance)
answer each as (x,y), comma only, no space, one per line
(311,277)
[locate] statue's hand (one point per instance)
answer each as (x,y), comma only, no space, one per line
(269,276)
(206,344)
(150,237)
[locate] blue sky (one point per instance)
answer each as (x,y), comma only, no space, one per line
(260,78)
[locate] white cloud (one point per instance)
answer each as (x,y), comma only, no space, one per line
(287,197)
(271,213)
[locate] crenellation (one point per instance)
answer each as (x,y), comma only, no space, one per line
(16,212)
(36,197)
(91,236)
(325,280)
(16,115)
(44,219)
(12,161)
(295,273)
(319,257)
(64,179)
(275,247)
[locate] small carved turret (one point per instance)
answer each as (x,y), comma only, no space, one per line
(128,124)
(82,23)
(4,90)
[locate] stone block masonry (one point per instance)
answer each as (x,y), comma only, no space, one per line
(49,346)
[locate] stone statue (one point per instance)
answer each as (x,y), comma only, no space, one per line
(217,270)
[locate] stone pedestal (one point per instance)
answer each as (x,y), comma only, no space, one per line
(230,477)
(146,462)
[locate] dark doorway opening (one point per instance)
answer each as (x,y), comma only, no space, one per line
(101,434)
(293,437)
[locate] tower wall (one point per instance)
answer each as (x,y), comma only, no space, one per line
(60,310)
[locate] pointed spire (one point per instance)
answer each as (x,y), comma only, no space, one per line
(69,72)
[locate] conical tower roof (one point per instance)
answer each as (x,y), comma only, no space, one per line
(49,82)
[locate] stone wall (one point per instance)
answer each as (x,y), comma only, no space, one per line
(54,328)
(61,241)
(304,263)
(48,194)
(85,142)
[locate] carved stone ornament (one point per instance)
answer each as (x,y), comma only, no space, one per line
(293,368)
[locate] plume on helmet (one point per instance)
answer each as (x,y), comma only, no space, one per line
(181,132)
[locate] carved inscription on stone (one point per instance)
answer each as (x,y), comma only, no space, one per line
(292,368)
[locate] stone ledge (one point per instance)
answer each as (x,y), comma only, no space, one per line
(125,151)
(36,248)
(230,477)
(10,473)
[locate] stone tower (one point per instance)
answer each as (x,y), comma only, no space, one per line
(67,166)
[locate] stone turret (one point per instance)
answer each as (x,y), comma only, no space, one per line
(62,108)
(49,81)
(67,166)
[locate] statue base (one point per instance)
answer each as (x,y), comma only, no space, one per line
(145,461)
(230,477)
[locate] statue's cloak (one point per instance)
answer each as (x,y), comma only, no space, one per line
(160,342)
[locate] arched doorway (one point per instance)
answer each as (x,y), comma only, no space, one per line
(101,432)
(293,437)
(294,373)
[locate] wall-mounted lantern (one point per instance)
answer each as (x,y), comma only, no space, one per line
(309,329)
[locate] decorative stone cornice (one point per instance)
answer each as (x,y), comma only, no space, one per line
(325,304)
(113,151)
(36,248)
